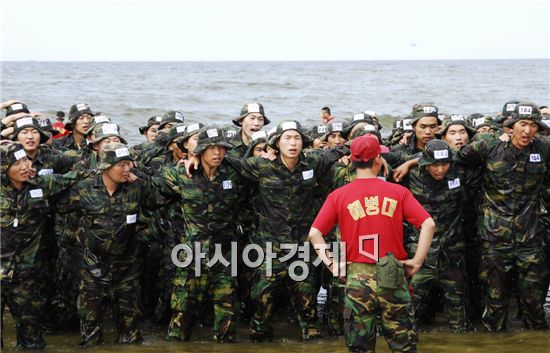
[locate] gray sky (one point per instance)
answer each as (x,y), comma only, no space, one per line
(174,30)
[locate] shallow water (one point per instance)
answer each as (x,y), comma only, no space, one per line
(434,339)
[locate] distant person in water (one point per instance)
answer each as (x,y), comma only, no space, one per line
(326,117)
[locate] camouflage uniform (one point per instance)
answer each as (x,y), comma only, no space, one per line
(510,223)
(283,205)
(444,266)
(209,213)
(24,215)
(107,234)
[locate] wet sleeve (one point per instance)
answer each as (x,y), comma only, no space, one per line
(413,212)
(54,184)
(327,217)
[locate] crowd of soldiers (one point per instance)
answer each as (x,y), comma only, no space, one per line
(87,221)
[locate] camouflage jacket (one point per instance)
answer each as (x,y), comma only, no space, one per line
(50,161)
(68,142)
(239,148)
(23,219)
(210,207)
(107,224)
(513,185)
(284,200)
(400,154)
(445,200)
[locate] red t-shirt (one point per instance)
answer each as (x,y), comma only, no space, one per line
(370,211)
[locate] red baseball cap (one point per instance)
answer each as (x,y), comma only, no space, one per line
(365,148)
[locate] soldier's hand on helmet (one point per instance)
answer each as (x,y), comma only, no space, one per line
(9,102)
(405,139)
(7,132)
(504,137)
(411,266)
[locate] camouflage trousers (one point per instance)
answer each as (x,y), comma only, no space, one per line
(451,280)
(497,263)
(190,294)
(26,304)
(91,306)
(302,294)
(335,302)
(365,301)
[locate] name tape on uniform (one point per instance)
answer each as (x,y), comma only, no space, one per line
(307,174)
(358,117)
(180,129)
(289,125)
(158,118)
(230,133)
(179,116)
(16,106)
(102,119)
(23,122)
(525,110)
(455,183)
(122,152)
(510,107)
(253,108)
(43,122)
(109,129)
(45,171)
(441,154)
(82,106)
(455,117)
(535,157)
(212,133)
(429,109)
(479,121)
(36,193)
(193,127)
(226,184)
(321,129)
(259,135)
(407,124)
(19,154)
(337,127)
(131,218)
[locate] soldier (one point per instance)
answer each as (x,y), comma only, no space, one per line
(79,120)
(283,217)
(24,207)
(372,208)
(513,177)
(315,135)
(484,125)
(252,119)
(209,202)
(333,137)
(455,132)
(443,190)
(108,206)
(150,130)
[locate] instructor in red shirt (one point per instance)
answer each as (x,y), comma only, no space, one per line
(370,213)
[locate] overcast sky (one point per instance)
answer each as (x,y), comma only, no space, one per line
(181,30)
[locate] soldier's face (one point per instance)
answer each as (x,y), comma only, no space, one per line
(425,129)
(456,136)
(335,139)
(213,156)
(82,123)
(438,171)
(29,138)
(99,146)
(251,123)
(151,133)
(290,144)
(485,130)
(18,172)
(523,133)
(259,149)
(120,172)
(317,143)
